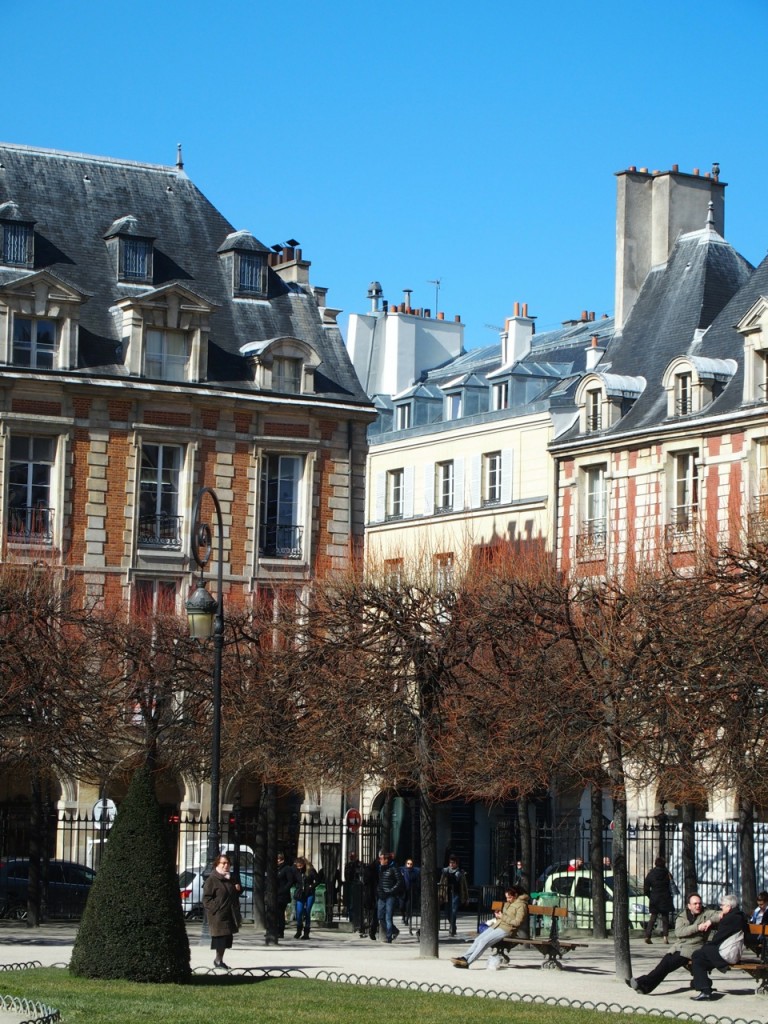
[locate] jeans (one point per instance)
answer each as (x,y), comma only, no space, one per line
(485,939)
(303,910)
(453,909)
(385,908)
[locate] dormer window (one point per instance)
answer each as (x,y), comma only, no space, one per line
(17,236)
(246,261)
(693,382)
(34,342)
(166,355)
(500,395)
(594,410)
(134,250)
(753,327)
(286,375)
(286,365)
(403,417)
(252,271)
(603,398)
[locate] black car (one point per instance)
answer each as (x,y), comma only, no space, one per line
(65,889)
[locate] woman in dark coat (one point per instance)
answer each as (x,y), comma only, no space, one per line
(658,889)
(306,881)
(221,900)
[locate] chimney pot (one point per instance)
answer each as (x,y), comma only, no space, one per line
(525,309)
(675,168)
(457,319)
(696,171)
(441,316)
(632,167)
(428,313)
(517,309)
(584,317)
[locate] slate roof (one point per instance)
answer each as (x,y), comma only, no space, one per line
(676,305)
(74,200)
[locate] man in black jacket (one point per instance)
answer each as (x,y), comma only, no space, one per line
(723,948)
(389,887)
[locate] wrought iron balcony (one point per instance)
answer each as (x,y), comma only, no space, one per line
(30,525)
(591,542)
(160,531)
(280,541)
(443,510)
(681,529)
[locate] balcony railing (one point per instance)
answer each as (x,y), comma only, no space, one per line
(757,520)
(591,542)
(30,525)
(280,541)
(160,532)
(443,510)
(681,529)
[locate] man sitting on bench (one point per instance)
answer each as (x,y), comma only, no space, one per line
(691,930)
(508,920)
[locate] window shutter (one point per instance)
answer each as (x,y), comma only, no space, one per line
(408,475)
(380,500)
(506,476)
(429,489)
(475,481)
(458,485)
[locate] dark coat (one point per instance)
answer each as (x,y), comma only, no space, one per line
(659,892)
(222,903)
(390,881)
(306,883)
(286,879)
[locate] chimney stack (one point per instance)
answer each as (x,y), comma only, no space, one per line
(516,339)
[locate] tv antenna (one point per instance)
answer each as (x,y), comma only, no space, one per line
(436,283)
(494,327)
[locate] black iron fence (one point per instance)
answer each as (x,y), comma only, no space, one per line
(560,858)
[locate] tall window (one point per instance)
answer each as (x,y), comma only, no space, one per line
(280,529)
(454,406)
(403,417)
(683,394)
(135,259)
(251,274)
(154,597)
(166,355)
(444,481)
(443,570)
(685,508)
(286,375)
(30,516)
(17,244)
(594,410)
(159,521)
(491,478)
(501,395)
(34,342)
(395,480)
(594,524)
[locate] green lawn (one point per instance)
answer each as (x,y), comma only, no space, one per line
(234,1000)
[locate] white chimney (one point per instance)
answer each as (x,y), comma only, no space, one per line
(516,339)
(594,354)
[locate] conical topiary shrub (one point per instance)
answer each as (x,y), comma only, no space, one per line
(133,925)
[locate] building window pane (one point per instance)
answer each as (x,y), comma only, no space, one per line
(286,375)
(34,342)
(135,257)
(281,531)
(17,248)
(30,516)
(166,355)
(492,478)
(403,417)
(159,521)
(685,508)
(594,524)
(683,394)
(395,478)
(594,411)
(444,487)
(251,274)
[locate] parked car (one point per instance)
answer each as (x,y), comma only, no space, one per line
(574,889)
(191,883)
(64,892)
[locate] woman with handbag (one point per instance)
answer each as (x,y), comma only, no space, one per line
(221,899)
(658,889)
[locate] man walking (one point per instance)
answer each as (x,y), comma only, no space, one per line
(389,888)
(691,929)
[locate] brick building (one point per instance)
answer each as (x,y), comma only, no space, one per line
(147,349)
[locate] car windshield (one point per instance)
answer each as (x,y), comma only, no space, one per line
(633,888)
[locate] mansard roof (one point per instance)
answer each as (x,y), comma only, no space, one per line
(675,314)
(76,200)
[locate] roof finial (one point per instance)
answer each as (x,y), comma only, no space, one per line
(711,215)
(179,161)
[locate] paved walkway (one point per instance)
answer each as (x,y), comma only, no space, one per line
(588,974)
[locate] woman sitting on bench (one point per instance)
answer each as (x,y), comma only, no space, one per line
(508,920)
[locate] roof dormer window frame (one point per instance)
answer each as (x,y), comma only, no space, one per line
(246,263)
(18,237)
(133,250)
(693,382)
(753,327)
(271,362)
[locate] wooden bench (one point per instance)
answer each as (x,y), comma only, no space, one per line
(551,947)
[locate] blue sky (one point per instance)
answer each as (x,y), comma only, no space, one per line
(406,142)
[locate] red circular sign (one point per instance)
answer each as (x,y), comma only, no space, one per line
(354,819)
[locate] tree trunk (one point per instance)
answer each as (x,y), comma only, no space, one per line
(747,853)
(260,862)
(688,819)
(430,910)
(620,926)
(270,876)
(35,886)
(596,862)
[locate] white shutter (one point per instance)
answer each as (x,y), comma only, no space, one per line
(380,498)
(458,485)
(475,481)
(408,475)
(506,476)
(429,489)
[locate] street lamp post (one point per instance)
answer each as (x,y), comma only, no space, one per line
(206,618)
